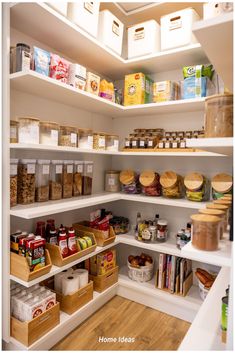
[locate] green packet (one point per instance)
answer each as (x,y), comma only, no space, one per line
(198,71)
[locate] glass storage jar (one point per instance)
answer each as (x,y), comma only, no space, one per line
(142,142)
(223,208)
(14,131)
(78,169)
(197,187)
(49,133)
(42,180)
(205,232)
(162,231)
(172,185)
(85,139)
(56,174)
(151,141)
(112,143)
(26,181)
(68,136)
(99,141)
(67,179)
(13,181)
(87,178)
(221,184)
(150,182)
(112,183)
(28,130)
(218,213)
(127,142)
(130,182)
(135,142)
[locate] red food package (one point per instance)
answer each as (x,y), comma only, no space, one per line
(35,253)
(59,68)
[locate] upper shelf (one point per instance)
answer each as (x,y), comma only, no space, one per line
(216,38)
(221,145)
(76,44)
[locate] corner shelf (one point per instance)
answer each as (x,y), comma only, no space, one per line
(221,145)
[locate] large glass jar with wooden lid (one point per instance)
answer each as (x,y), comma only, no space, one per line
(172,185)
(223,208)
(221,184)
(130,182)
(28,130)
(197,187)
(112,143)
(150,182)
(206,232)
(99,141)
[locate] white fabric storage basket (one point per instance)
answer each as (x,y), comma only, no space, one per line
(176,29)
(143,39)
(110,31)
(60,7)
(211,9)
(85,15)
(142,274)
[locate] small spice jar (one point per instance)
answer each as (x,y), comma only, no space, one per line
(56,174)
(197,187)
(78,169)
(182,144)
(168,143)
(151,141)
(150,182)
(162,231)
(130,182)
(99,141)
(221,184)
(142,142)
(42,180)
(26,181)
(161,143)
(128,142)
(68,136)
(87,178)
(217,213)
(112,143)
(175,144)
(67,179)
(13,182)
(172,185)
(14,131)
(28,130)
(112,183)
(85,139)
(135,142)
(206,232)
(49,133)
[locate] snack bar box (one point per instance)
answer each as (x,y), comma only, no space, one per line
(85,15)
(143,39)
(176,29)
(110,31)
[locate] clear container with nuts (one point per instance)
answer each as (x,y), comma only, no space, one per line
(13,181)
(56,174)
(68,136)
(42,180)
(14,131)
(78,170)
(49,133)
(87,178)
(28,130)
(112,143)
(99,141)
(26,181)
(67,179)
(85,139)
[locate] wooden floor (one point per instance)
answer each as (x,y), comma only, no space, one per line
(150,329)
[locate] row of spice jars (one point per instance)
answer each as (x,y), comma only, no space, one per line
(41,180)
(32,130)
(143,138)
(184,134)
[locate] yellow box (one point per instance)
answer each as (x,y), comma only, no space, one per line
(138,89)
(165,91)
(103,262)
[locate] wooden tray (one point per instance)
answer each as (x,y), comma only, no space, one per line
(30,331)
(186,285)
(105,281)
(20,267)
(161,150)
(100,239)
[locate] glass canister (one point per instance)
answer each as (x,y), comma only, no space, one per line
(56,174)
(135,141)
(99,141)
(67,179)
(85,139)
(223,208)
(112,143)
(219,116)
(14,131)
(206,232)
(68,136)
(88,177)
(128,142)
(13,181)
(49,133)
(221,184)
(218,213)
(151,141)
(162,231)
(172,185)
(112,183)
(130,182)
(197,187)
(150,182)
(28,130)
(78,169)
(42,180)
(26,181)
(142,141)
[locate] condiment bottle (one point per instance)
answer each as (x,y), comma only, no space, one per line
(153,231)
(138,221)
(146,235)
(162,230)
(40,229)
(72,242)
(63,244)
(53,236)
(50,224)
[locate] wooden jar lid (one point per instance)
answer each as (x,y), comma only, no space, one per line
(212,212)
(223,202)
(227,197)
(147,177)
(127,177)
(222,182)
(168,179)
(193,181)
(217,206)
(205,218)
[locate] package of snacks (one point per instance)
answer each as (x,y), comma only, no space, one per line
(107,90)
(197,187)
(41,61)
(92,83)
(59,68)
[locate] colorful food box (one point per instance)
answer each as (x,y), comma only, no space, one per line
(103,262)
(41,61)
(138,89)
(165,91)
(93,83)
(35,253)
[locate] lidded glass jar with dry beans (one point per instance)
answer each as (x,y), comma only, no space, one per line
(112,143)
(28,130)
(99,141)
(206,232)
(85,139)
(13,181)
(68,136)
(87,178)
(130,182)
(221,184)
(14,131)
(197,187)
(112,183)
(172,185)
(56,174)
(49,133)
(42,180)
(67,179)
(26,181)
(78,169)
(150,182)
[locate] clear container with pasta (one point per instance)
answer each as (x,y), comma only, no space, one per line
(130,182)
(150,182)
(78,171)
(206,232)
(42,180)
(172,185)
(68,136)
(88,178)
(56,176)
(197,187)
(13,181)
(49,133)
(221,184)
(85,139)
(14,131)
(26,181)
(99,141)
(67,179)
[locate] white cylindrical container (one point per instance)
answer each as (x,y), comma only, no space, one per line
(77,76)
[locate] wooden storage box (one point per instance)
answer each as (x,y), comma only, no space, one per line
(20,267)
(99,236)
(105,281)
(186,285)
(57,258)
(30,331)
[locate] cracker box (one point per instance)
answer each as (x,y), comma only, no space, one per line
(138,89)
(92,83)
(165,91)
(103,262)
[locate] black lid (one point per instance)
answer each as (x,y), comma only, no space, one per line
(189,225)
(23,45)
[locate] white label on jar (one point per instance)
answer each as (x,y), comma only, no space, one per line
(150,143)
(141,143)
(161,234)
(25,60)
(30,168)
(13,169)
(146,235)
(58,169)
(116,143)
(127,143)
(182,144)
(161,145)
(73,137)
(79,168)
(13,133)
(174,144)
(101,142)
(54,136)
(69,169)
(89,168)
(167,145)
(90,141)
(134,143)
(111,181)
(45,169)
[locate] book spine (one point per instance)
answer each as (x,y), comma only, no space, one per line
(160,271)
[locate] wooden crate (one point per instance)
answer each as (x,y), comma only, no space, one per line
(100,239)
(105,281)
(162,150)
(186,285)
(30,331)
(20,267)
(59,261)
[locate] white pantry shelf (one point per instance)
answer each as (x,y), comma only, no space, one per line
(221,145)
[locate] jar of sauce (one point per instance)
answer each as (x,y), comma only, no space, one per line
(162,230)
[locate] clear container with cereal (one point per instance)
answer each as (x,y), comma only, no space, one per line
(14,131)
(172,185)
(28,130)
(13,181)
(42,180)
(68,136)
(221,184)
(206,232)
(56,179)
(112,183)
(85,139)
(99,141)
(87,177)
(197,187)
(150,182)
(49,133)
(112,143)
(78,170)
(26,181)
(67,179)
(130,182)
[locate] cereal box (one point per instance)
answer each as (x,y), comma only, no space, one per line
(165,91)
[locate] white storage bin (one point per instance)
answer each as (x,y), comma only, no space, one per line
(110,31)
(60,7)
(85,15)
(143,39)
(211,9)
(141,274)
(176,29)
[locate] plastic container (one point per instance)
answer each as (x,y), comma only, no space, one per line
(218,213)
(56,171)
(22,57)
(28,130)
(130,182)
(150,182)
(42,180)
(99,141)
(143,39)
(87,178)
(60,7)
(85,15)
(26,181)
(172,185)
(78,170)
(68,136)
(206,232)
(85,139)
(197,187)
(112,183)
(110,31)
(14,131)
(221,184)
(176,29)
(219,116)
(67,179)
(49,133)
(141,274)
(112,143)
(13,181)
